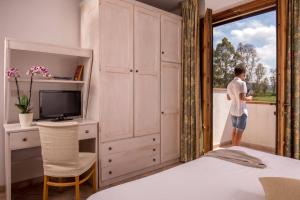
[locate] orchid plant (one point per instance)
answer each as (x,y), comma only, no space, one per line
(24,102)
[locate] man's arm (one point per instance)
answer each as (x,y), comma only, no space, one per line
(243,97)
(243,93)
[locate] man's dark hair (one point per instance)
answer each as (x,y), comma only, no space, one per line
(239,70)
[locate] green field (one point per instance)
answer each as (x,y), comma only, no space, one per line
(266,98)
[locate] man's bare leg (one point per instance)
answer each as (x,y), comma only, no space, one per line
(234,133)
(238,137)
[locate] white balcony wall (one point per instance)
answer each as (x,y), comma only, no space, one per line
(261,125)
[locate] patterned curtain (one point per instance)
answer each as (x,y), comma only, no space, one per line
(292,90)
(191,145)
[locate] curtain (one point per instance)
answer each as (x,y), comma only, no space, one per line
(292,87)
(191,142)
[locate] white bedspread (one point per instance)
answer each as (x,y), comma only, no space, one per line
(205,179)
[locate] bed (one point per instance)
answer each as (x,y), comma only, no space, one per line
(205,178)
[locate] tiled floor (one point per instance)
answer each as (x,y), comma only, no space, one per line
(34,191)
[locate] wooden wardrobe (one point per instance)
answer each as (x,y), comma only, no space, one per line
(135,85)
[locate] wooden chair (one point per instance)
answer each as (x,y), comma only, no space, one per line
(61,156)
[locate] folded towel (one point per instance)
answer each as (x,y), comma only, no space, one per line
(238,157)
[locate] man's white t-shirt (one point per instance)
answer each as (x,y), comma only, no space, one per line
(234,89)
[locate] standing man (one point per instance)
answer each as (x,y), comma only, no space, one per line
(236,92)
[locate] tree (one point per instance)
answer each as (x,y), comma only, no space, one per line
(273,80)
(265,85)
(260,72)
(223,63)
(246,56)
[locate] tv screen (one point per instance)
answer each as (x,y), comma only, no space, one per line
(59,104)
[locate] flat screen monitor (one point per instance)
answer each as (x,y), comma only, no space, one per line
(57,104)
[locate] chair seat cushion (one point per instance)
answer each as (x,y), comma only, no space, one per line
(85,161)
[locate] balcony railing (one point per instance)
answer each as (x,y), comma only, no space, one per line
(261,125)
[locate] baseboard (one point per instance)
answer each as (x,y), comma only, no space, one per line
(223,144)
(259,147)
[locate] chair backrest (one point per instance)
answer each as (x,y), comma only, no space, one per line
(59,142)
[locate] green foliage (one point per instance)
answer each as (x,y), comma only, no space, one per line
(24,104)
(268,97)
(226,58)
(246,56)
(224,63)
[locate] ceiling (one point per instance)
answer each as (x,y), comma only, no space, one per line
(168,5)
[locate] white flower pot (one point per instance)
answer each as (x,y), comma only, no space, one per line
(26,119)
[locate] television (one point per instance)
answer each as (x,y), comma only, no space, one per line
(59,104)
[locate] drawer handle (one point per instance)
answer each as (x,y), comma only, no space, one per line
(86,131)
(162,52)
(110,172)
(109,160)
(24,139)
(154,139)
(154,159)
(109,148)
(154,149)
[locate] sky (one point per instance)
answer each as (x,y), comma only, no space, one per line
(259,30)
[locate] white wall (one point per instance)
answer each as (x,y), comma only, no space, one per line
(48,21)
(221,120)
(261,123)
(221,5)
(261,128)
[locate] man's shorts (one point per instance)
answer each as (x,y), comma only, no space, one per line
(239,122)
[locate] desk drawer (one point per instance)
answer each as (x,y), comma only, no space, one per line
(126,168)
(25,139)
(87,131)
(129,144)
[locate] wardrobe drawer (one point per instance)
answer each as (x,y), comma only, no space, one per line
(25,139)
(129,156)
(119,170)
(87,131)
(129,144)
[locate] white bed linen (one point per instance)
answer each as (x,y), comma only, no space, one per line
(205,179)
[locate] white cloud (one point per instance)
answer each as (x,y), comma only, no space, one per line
(263,37)
(252,34)
(267,53)
(218,33)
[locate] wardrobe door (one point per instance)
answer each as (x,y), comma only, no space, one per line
(170,39)
(170,107)
(116,70)
(147,72)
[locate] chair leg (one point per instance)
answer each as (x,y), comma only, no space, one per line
(77,192)
(45,192)
(94,178)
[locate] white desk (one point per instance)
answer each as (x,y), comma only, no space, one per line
(18,138)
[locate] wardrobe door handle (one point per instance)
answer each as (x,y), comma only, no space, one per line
(162,52)
(137,71)
(131,70)
(154,159)
(109,148)
(110,160)
(162,112)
